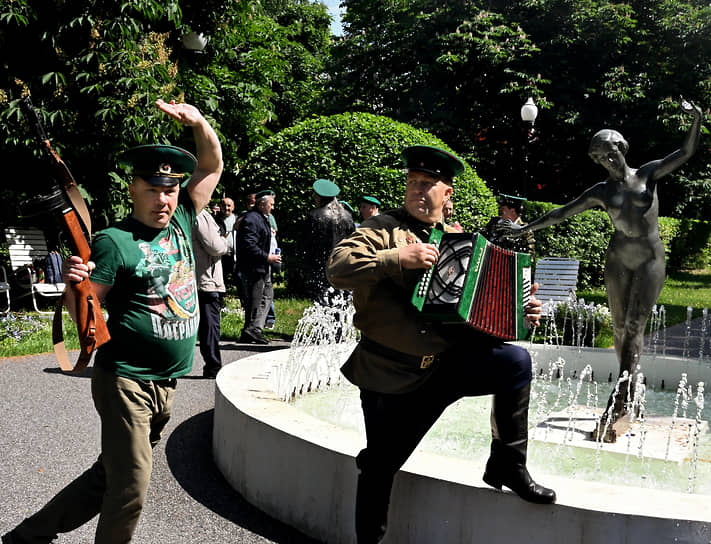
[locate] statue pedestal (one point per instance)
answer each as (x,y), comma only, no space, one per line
(660,438)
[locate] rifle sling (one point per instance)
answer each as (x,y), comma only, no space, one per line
(79,205)
(88,344)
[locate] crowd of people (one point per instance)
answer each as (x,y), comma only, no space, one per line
(247,256)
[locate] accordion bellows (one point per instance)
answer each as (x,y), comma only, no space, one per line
(478,283)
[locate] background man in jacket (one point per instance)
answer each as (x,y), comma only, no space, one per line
(209,247)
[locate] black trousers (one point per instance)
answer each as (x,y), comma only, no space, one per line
(395,423)
(210,303)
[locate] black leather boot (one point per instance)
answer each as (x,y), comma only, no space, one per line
(507,463)
(372,501)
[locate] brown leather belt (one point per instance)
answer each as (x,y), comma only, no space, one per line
(422,361)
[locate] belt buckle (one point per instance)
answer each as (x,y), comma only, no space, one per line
(426,361)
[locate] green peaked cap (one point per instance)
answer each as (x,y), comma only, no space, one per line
(432,160)
(164,165)
(265,192)
(515,200)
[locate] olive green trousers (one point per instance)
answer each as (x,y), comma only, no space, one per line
(133,415)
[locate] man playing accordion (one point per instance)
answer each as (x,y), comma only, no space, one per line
(408,369)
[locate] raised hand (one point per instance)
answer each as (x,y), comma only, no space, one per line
(690,108)
(185,114)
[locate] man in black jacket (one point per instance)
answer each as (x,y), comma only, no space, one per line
(254,236)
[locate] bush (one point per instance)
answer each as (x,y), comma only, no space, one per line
(578,324)
(360,152)
(687,243)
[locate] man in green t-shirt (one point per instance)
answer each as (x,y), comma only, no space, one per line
(143,269)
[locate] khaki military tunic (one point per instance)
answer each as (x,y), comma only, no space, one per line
(367,262)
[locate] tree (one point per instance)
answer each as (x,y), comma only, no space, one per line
(619,65)
(463,69)
(94,69)
(447,66)
(360,152)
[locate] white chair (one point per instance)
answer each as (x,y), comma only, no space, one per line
(557,279)
(25,245)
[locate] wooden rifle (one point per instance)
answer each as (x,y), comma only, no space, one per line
(65,203)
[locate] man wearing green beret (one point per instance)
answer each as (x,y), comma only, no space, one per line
(368,207)
(409,369)
(328,224)
(143,269)
(347,207)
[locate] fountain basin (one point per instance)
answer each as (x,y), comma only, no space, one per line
(301,470)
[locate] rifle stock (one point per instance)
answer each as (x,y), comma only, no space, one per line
(91,326)
(70,209)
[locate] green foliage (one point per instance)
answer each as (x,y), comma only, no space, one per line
(693,201)
(29,333)
(584,236)
(94,70)
(457,69)
(360,152)
(687,243)
(462,70)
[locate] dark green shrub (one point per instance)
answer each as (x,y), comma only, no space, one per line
(690,247)
(361,153)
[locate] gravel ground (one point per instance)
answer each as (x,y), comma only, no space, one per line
(49,434)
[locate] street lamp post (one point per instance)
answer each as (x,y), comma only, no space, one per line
(529,112)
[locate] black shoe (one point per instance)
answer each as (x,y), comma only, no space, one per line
(256,337)
(247,338)
(210,372)
(261,339)
(518,480)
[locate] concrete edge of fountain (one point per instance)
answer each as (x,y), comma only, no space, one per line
(301,470)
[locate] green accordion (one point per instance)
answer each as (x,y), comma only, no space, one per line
(478,283)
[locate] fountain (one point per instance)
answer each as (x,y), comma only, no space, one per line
(297,464)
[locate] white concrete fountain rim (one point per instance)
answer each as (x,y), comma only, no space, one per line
(245,384)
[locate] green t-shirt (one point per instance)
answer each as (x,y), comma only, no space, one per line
(153,309)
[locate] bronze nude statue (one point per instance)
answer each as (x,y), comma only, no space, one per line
(634,267)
